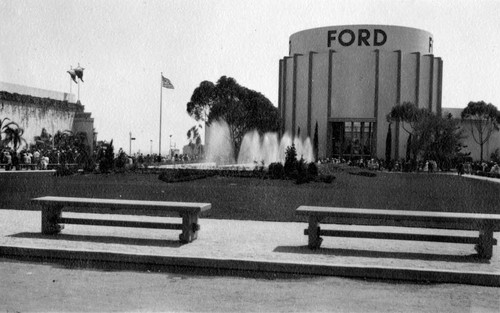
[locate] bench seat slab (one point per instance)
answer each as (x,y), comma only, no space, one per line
(486,224)
(52,214)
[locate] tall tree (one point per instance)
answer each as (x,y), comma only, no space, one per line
(439,138)
(430,135)
(409,115)
(483,119)
(242,109)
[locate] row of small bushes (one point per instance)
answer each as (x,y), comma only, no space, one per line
(275,171)
(302,172)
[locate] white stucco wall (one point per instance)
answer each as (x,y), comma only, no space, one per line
(33,119)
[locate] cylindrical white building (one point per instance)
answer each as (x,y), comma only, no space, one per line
(347,78)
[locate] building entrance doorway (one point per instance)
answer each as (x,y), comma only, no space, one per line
(352,139)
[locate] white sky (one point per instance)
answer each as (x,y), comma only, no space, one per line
(124,45)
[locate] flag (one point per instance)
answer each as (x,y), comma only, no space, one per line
(165,82)
(72,73)
(79,72)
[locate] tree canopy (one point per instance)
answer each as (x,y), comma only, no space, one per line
(483,119)
(431,136)
(241,108)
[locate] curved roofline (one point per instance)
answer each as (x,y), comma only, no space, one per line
(361,25)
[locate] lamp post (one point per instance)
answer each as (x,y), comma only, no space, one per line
(170,146)
(151,147)
(130,144)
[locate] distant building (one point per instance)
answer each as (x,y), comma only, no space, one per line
(34,109)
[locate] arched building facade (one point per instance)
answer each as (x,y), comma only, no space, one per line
(345,79)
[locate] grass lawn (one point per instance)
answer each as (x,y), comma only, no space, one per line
(265,200)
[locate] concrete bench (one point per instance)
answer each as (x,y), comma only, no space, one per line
(486,224)
(52,208)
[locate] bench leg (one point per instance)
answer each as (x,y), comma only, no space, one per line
(190,228)
(485,246)
(314,239)
(50,217)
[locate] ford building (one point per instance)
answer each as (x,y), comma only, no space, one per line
(346,79)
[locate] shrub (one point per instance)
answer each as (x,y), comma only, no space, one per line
(495,156)
(121,160)
(312,170)
(276,170)
(89,165)
(302,172)
(290,167)
(105,157)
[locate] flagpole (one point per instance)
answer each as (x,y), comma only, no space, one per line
(161,91)
(70,68)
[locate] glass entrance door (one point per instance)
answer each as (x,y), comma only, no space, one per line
(352,139)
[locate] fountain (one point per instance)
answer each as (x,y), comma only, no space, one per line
(255,149)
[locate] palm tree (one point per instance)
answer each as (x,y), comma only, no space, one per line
(13,135)
(2,128)
(62,139)
(44,140)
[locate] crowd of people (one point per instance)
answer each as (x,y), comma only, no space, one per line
(475,167)
(429,166)
(35,158)
(40,159)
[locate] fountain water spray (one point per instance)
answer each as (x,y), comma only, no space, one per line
(255,148)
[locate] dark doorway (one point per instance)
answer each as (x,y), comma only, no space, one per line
(352,139)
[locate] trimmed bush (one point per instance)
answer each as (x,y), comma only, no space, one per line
(312,169)
(276,170)
(290,167)
(302,172)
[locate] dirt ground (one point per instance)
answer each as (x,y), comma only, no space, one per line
(34,286)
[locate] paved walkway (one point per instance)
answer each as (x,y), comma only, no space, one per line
(250,245)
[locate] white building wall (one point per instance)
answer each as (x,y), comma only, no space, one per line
(387,98)
(424,86)
(33,119)
(288,94)
(301,95)
(353,85)
(409,77)
(319,100)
